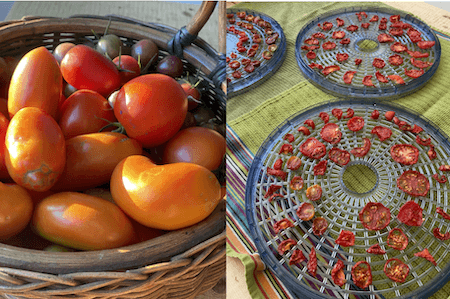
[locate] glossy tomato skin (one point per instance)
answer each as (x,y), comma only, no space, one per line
(35,152)
(85,68)
(4,122)
(85,111)
(197,145)
(167,197)
(15,211)
(152,108)
(82,221)
(91,159)
(129,65)
(36,82)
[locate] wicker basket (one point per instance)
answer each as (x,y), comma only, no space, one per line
(179,264)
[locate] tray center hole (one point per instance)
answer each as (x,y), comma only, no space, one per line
(367,45)
(359,178)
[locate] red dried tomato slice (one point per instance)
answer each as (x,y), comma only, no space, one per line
(319,226)
(314,192)
(241,14)
(420,64)
(241,49)
(320,168)
(362,274)
(311,55)
(431,152)
(378,63)
(282,224)
(313,148)
(236,74)
(275,196)
(233,55)
(375,216)
(413,183)
(312,263)
(362,151)
(394,18)
(286,245)
(439,235)
(375,114)
(350,113)
(329,69)
(297,257)
(305,211)
(365,25)
(309,48)
(341,57)
(414,35)
(426,255)
(414,73)
(348,77)
(397,79)
(267,55)
(245,61)
(286,149)
(399,47)
(337,113)
(316,65)
(345,41)
(423,141)
(304,130)
(383,133)
(441,212)
(324,116)
(272,39)
(310,122)
(296,183)
(249,18)
(352,28)
(230,15)
(397,239)
(395,59)
(396,270)
(404,126)
(346,238)
(338,156)
(293,163)
(396,31)
(331,133)
(405,154)
(358,61)
(410,214)
(251,52)
(278,164)
(338,34)
(271,190)
(389,115)
(418,54)
(444,168)
(416,129)
(243,39)
(311,41)
(367,80)
(256,63)
(382,26)
(329,45)
(340,22)
(374,19)
(234,64)
(375,249)
(326,26)
(385,38)
(278,173)
(440,179)
(425,44)
(318,35)
(249,68)
(337,273)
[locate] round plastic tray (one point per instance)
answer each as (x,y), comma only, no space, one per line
(267,67)
(341,203)
(358,49)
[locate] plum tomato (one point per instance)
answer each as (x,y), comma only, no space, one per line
(85,68)
(397,239)
(396,270)
(375,216)
(197,145)
(312,262)
(168,197)
(35,153)
(320,168)
(413,183)
(339,156)
(15,211)
(362,274)
(91,159)
(375,249)
(383,133)
(314,192)
(82,221)
(151,108)
(405,154)
(313,148)
(331,133)
(410,214)
(319,226)
(4,122)
(362,151)
(337,274)
(36,82)
(296,183)
(305,211)
(85,111)
(346,238)
(129,68)
(355,123)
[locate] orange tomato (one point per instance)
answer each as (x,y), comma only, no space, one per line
(35,153)
(4,122)
(91,159)
(36,82)
(82,221)
(4,107)
(197,145)
(15,210)
(167,197)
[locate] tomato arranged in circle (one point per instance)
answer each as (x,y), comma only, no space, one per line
(398,47)
(410,214)
(362,274)
(375,249)
(282,224)
(293,163)
(319,226)
(331,133)
(383,133)
(324,116)
(320,168)
(297,257)
(341,57)
(426,44)
(405,154)
(439,235)
(426,255)
(296,183)
(420,64)
(396,270)
(346,238)
(367,80)
(337,274)
(312,263)
(414,73)
(313,148)
(413,183)
(385,38)
(305,211)
(381,78)
(337,113)
(362,151)
(339,156)
(378,63)
(397,79)
(375,216)
(395,60)
(330,69)
(286,245)
(314,192)
(355,123)
(397,239)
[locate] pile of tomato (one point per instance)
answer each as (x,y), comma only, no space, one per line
(104,145)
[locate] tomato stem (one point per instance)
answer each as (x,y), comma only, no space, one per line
(144,70)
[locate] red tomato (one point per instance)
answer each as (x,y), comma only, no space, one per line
(151,108)
(130,68)
(329,69)
(85,111)
(397,239)
(36,82)
(381,78)
(4,107)
(385,38)
(168,197)
(324,116)
(337,274)
(362,151)
(375,249)
(286,149)
(337,113)
(82,221)
(305,211)
(397,79)
(85,68)
(320,168)
(425,44)
(331,133)
(346,238)
(15,211)
(405,154)
(420,64)
(312,262)
(383,133)
(338,156)
(398,47)
(193,95)
(297,257)
(362,274)
(91,159)
(413,183)
(439,235)
(396,270)
(314,192)
(375,216)
(348,77)
(35,152)
(341,57)
(319,226)
(426,255)
(378,63)
(395,59)
(313,148)
(355,123)
(296,183)
(293,163)
(410,214)
(4,122)
(375,114)
(389,115)
(286,245)
(282,224)
(414,73)
(367,80)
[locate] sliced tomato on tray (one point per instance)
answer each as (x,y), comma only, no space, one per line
(346,238)
(362,274)
(405,154)
(375,216)
(396,270)
(331,133)
(313,148)
(296,183)
(362,151)
(397,239)
(375,249)
(312,262)
(314,192)
(410,214)
(305,211)
(413,183)
(383,133)
(339,156)
(337,274)
(348,77)
(426,255)
(297,257)
(319,226)
(282,225)
(320,168)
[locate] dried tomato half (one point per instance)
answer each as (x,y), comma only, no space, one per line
(398,47)
(389,115)
(286,149)
(413,183)
(439,235)
(375,114)
(352,28)
(397,239)
(296,183)
(278,173)
(381,78)
(309,48)
(319,226)
(397,79)
(441,212)
(367,80)
(410,214)
(337,273)
(374,19)
(267,55)
(385,38)
(362,274)
(414,35)
(414,73)
(305,211)
(396,31)
(358,61)
(444,168)
(426,255)
(320,168)
(275,196)
(341,57)
(418,54)
(346,238)
(331,133)
(297,257)
(375,216)
(350,113)
(278,164)
(289,137)
(339,156)
(318,35)
(311,41)
(416,129)
(378,63)
(375,249)
(286,245)
(394,18)
(316,65)
(338,34)
(272,38)
(425,44)
(324,116)
(337,113)
(234,64)
(310,122)
(423,141)
(340,22)
(293,163)
(383,133)
(345,41)
(282,224)
(271,190)
(313,148)
(236,74)
(330,69)
(395,59)
(329,45)
(440,179)
(396,270)
(312,263)
(382,26)
(420,64)
(362,151)
(326,25)
(314,192)
(365,25)
(304,130)
(405,154)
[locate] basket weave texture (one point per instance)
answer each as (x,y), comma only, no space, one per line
(179,264)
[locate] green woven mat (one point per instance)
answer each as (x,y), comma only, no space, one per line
(288,92)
